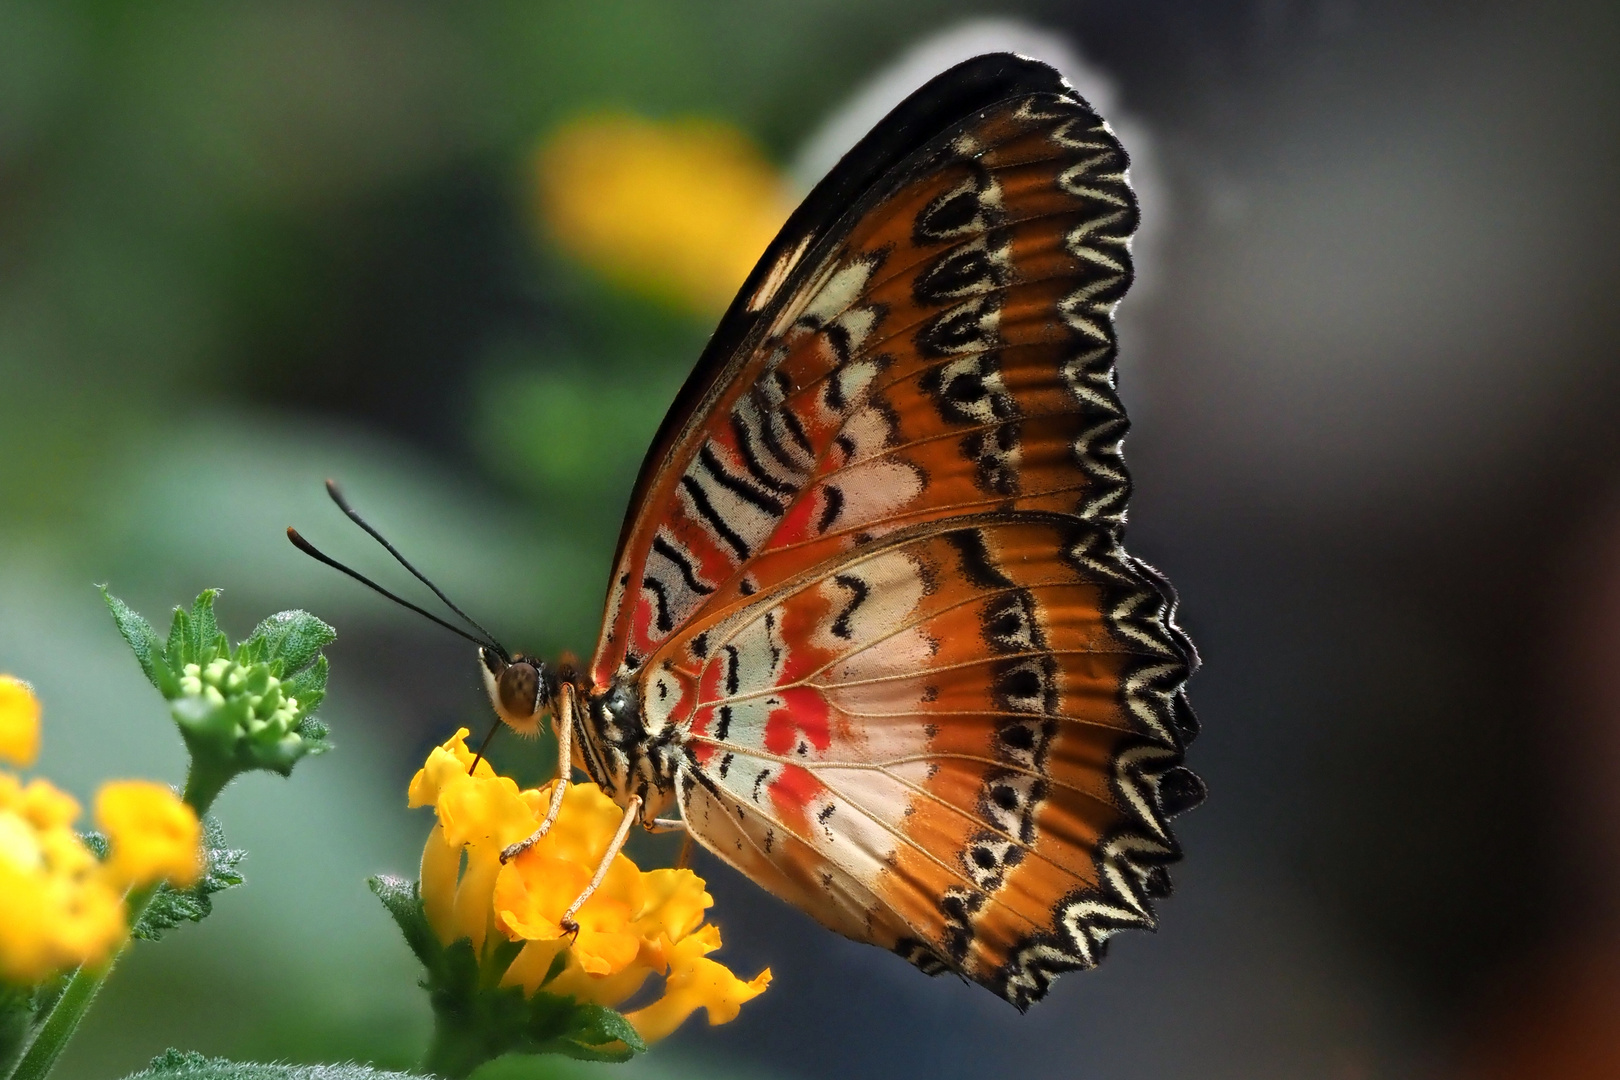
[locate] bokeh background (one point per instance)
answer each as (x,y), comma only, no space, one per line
(1373,368)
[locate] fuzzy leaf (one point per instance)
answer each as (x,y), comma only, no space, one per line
(202,631)
(308,686)
(143,641)
(175,1065)
(315,733)
(170,906)
(404,903)
(174,650)
(290,641)
(597,1033)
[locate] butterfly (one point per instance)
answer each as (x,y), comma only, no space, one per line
(871,636)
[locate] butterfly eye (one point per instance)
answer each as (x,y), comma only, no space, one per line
(521,690)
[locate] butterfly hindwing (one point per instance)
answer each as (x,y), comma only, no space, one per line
(873,585)
(929,745)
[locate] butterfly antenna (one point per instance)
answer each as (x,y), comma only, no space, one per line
(320,556)
(336,493)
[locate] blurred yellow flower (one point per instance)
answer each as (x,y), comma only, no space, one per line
(681,211)
(19,722)
(60,906)
(637,923)
(57,908)
(151,834)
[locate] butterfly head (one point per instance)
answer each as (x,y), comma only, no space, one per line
(521,689)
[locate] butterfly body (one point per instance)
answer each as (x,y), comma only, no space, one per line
(872,630)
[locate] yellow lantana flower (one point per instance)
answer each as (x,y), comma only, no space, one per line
(61,907)
(478,816)
(679,210)
(57,908)
(151,834)
(19,722)
(637,924)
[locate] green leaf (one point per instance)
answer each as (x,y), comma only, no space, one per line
(143,641)
(96,842)
(202,631)
(315,733)
(289,641)
(597,1033)
(308,686)
(403,899)
(16,1023)
(175,1065)
(170,906)
(174,650)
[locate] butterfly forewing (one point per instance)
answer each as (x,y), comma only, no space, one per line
(873,582)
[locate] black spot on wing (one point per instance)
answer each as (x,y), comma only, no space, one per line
(970,325)
(660,602)
(832,504)
(973,559)
(958,272)
(858,592)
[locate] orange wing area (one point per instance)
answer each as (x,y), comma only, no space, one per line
(945,745)
(873,601)
(951,354)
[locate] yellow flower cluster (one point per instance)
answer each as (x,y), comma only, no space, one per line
(681,211)
(637,924)
(59,905)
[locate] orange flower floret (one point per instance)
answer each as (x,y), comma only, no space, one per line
(635,925)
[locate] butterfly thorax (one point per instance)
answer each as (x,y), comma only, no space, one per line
(624,754)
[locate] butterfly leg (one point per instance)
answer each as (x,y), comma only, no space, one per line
(565,768)
(667,825)
(631,812)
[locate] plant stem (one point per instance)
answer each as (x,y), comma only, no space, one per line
(203,786)
(456,1050)
(70,1008)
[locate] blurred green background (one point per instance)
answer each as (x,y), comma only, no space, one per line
(246,247)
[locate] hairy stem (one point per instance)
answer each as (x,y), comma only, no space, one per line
(47,1046)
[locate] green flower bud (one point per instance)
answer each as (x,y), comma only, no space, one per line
(248,707)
